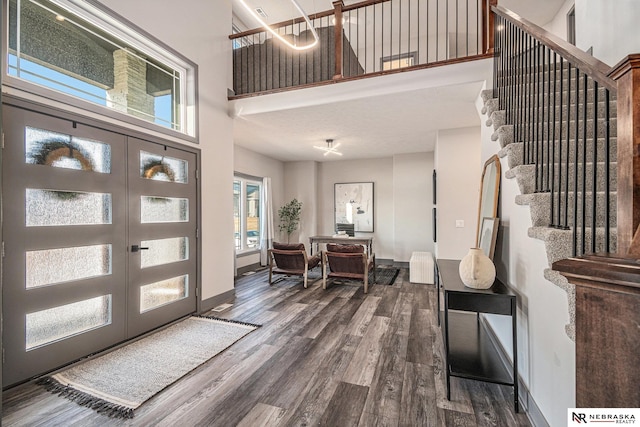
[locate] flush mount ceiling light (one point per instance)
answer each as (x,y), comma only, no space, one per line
(278,36)
(330,148)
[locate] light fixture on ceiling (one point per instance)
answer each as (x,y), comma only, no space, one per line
(278,36)
(330,148)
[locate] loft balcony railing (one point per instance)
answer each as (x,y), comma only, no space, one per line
(360,40)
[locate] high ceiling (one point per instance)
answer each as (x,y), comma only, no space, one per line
(366,121)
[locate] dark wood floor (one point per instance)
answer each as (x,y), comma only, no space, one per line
(333,358)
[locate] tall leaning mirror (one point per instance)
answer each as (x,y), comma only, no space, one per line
(489,191)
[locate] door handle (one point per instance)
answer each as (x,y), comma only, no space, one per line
(136,248)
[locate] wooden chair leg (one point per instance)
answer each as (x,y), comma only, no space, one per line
(366,282)
(305,276)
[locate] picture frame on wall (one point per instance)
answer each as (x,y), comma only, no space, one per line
(353,204)
(488,235)
(435,181)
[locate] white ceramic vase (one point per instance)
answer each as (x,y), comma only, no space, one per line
(476,270)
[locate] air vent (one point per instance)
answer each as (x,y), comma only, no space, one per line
(260,11)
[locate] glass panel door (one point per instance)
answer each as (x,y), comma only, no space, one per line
(65,242)
(99,236)
(162,235)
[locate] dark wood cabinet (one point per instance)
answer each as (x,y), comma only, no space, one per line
(470,351)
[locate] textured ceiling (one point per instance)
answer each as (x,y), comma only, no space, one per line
(375,126)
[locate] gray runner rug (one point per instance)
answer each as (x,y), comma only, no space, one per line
(120,381)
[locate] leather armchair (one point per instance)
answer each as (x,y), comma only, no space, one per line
(291,259)
(347,262)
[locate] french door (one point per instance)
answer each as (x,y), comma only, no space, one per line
(99,240)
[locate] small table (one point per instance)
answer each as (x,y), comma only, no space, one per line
(469,349)
(366,241)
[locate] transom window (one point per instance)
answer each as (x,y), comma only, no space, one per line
(80,50)
(246,213)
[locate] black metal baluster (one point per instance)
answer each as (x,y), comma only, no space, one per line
(561,94)
(467,30)
(549,107)
(594,173)
(553,141)
(437,28)
(518,97)
(418,38)
(400,32)
(391,35)
(574,240)
(566,180)
(584,166)
(537,115)
(607,173)
(457,42)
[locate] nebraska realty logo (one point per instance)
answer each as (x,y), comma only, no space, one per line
(602,416)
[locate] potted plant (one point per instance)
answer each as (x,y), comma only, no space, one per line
(289,215)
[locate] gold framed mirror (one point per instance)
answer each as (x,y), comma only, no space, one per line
(489,192)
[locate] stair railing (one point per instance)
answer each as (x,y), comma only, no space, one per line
(561,103)
(364,39)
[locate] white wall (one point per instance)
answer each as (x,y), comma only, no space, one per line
(546,356)
(412,203)
(558,25)
(402,200)
(200,32)
(610,27)
(457,163)
(251,163)
(378,171)
(302,183)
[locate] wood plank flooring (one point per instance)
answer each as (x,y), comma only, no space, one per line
(334,357)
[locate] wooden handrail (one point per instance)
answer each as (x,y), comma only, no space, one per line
(313,16)
(591,66)
(283,24)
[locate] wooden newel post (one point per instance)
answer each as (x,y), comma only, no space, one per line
(488,25)
(627,75)
(607,333)
(337,6)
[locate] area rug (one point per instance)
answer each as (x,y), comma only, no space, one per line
(385,275)
(119,382)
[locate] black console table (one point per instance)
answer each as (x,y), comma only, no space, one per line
(469,350)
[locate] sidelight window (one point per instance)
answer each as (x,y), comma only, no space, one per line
(247,199)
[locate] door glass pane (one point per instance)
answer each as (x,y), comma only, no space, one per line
(163,209)
(236,213)
(164,251)
(253,216)
(162,168)
(43,147)
(49,207)
(164,292)
(50,266)
(47,326)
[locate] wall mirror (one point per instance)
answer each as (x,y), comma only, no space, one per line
(489,190)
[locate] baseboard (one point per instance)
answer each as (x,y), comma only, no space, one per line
(225,297)
(247,268)
(387,261)
(527,403)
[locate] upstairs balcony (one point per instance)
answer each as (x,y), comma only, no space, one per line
(361,40)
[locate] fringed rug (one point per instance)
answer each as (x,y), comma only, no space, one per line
(119,382)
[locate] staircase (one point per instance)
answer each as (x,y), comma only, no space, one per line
(556,127)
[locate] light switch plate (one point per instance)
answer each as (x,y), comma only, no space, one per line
(459,223)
